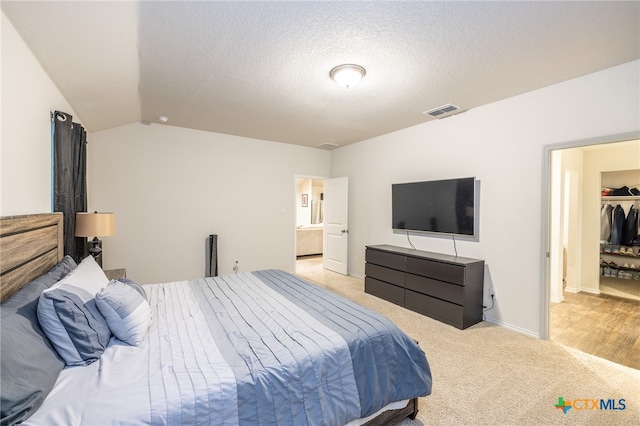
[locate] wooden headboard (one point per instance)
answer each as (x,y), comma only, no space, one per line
(30,245)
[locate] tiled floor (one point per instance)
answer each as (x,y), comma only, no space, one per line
(629,289)
(602,325)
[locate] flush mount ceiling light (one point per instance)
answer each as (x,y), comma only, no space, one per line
(347,75)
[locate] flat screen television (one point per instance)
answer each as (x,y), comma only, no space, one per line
(437,206)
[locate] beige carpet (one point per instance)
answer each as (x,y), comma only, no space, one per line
(489,375)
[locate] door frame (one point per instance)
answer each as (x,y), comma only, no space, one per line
(545,298)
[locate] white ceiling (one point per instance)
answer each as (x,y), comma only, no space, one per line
(261,69)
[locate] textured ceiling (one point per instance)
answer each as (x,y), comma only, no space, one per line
(261,69)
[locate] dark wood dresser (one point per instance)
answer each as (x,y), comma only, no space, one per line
(443,287)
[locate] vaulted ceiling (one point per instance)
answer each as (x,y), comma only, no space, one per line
(261,69)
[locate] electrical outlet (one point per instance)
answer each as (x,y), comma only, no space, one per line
(492,292)
(236,266)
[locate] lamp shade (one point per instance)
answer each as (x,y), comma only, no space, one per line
(95,224)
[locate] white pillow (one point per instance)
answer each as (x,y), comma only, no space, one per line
(127,312)
(87,275)
(70,319)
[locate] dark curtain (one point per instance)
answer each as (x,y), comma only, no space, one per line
(70,178)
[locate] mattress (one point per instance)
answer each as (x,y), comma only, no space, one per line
(255,348)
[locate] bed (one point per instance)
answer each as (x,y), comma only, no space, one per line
(262,347)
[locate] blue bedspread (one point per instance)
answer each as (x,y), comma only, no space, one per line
(303,355)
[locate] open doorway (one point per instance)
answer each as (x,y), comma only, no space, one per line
(309,223)
(583,312)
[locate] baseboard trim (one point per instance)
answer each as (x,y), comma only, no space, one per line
(557,299)
(513,327)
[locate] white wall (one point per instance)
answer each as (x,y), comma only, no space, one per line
(28,96)
(572,179)
(171,187)
(556,225)
(303,214)
(502,145)
(313,188)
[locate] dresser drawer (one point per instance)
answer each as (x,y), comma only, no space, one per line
(381,273)
(435,308)
(383,258)
(384,290)
(437,270)
(447,288)
(440,289)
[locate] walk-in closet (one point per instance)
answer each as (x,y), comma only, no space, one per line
(619,239)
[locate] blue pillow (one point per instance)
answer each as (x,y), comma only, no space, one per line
(58,272)
(126,310)
(29,363)
(70,319)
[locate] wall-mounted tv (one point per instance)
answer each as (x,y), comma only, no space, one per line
(437,206)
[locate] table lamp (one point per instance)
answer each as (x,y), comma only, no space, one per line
(95,225)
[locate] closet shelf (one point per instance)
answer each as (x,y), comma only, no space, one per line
(620,197)
(621,256)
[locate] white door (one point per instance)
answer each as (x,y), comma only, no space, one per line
(336,220)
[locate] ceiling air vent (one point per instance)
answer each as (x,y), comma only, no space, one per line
(327,146)
(442,111)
